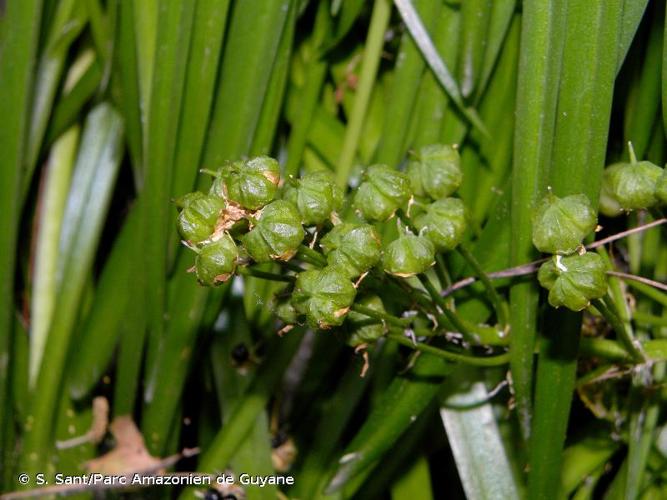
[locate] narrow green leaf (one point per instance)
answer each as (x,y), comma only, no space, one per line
(405,85)
(633,11)
(416,482)
(173,41)
(146,19)
(252,44)
(66,25)
(476,16)
(101,328)
(474,437)
(369,66)
(52,207)
(400,404)
(18,48)
(93,181)
(542,38)
(584,457)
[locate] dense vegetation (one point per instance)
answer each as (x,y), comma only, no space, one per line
(409,250)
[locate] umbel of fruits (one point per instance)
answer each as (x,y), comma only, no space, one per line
(324,296)
(382,192)
(633,185)
(216,261)
(316,196)
(408,255)
(277,233)
(435,171)
(561,224)
(354,248)
(362,329)
(198,216)
(444,223)
(573,281)
(250,184)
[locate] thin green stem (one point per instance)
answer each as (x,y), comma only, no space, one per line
(372,53)
(499,360)
(311,256)
(381,316)
(649,319)
(498,304)
(610,314)
(440,301)
(248,271)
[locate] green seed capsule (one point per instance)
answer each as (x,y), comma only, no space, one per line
(408,255)
(198,217)
(383,191)
(634,185)
(661,188)
(286,313)
(609,205)
(324,296)
(364,330)
(277,235)
(316,196)
(354,248)
(443,223)
(216,261)
(250,184)
(561,224)
(435,171)
(574,281)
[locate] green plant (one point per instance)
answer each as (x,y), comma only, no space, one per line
(380,180)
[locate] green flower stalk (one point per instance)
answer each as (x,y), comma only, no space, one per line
(408,255)
(633,185)
(383,191)
(435,171)
(324,296)
(573,281)
(316,196)
(277,234)
(443,223)
(363,330)
(250,184)
(216,261)
(354,248)
(198,216)
(561,224)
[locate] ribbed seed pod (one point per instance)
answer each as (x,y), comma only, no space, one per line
(561,224)
(216,261)
(324,296)
(316,196)
(277,235)
(574,281)
(408,255)
(354,248)
(364,330)
(443,223)
(198,216)
(435,171)
(383,191)
(285,312)
(609,205)
(634,185)
(250,184)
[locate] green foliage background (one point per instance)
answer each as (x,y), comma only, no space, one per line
(110,108)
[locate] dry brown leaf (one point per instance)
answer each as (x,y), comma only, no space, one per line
(129,455)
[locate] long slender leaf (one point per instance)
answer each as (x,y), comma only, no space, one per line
(93,180)
(15,87)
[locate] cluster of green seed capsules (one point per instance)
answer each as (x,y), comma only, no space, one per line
(573,276)
(250,216)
